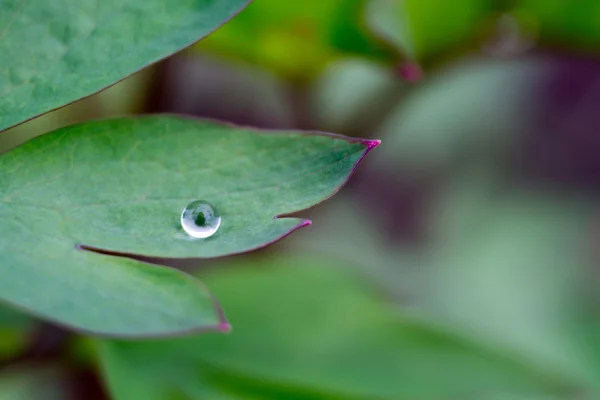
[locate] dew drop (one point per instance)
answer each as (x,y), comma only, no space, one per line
(200,219)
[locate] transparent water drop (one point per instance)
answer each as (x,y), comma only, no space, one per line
(200,219)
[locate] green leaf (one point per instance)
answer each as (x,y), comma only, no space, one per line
(522,254)
(55,52)
(473,107)
(10,318)
(121,185)
(564,22)
(34,382)
(307,326)
(342,224)
(352,95)
(15,328)
(423,29)
(293,40)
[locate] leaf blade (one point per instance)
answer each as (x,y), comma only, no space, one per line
(339,342)
(77,48)
(120,185)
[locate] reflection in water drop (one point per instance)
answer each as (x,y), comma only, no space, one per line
(200,219)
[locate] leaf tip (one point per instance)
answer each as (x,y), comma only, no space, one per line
(224,327)
(306,222)
(371,143)
(410,72)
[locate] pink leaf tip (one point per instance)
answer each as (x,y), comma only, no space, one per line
(224,327)
(410,72)
(371,144)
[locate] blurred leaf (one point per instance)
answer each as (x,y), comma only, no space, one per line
(11,318)
(127,380)
(120,185)
(574,23)
(476,107)
(513,396)
(26,383)
(423,29)
(14,329)
(338,340)
(343,224)
(12,342)
(292,39)
(353,94)
(388,20)
(428,29)
(208,86)
(133,375)
(56,52)
(506,274)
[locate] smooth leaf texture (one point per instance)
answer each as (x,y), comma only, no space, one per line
(55,52)
(338,342)
(120,185)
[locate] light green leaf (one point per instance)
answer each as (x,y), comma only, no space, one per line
(352,95)
(474,107)
(304,325)
(55,52)
(507,273)
(121,185)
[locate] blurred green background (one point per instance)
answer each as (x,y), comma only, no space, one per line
(460,262)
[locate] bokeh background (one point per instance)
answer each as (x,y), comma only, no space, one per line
(461,260)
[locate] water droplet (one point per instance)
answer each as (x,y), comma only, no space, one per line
(200,219)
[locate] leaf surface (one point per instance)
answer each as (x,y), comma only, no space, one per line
(55,52)
(311,329)
(120,186)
